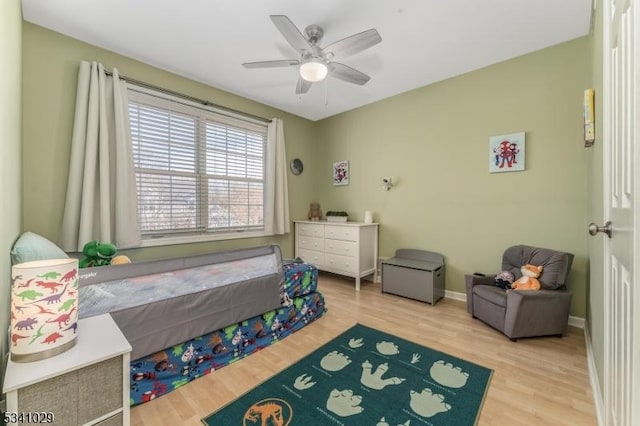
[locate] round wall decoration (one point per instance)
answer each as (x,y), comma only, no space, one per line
(296,166)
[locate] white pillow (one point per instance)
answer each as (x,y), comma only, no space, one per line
(30,246)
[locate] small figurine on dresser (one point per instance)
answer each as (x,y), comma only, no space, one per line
(314,211)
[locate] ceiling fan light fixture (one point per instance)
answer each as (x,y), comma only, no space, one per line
(314,70)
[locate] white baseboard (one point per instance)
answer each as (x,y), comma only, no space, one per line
(448,294)
(576,322)
(454,295)
(598,399)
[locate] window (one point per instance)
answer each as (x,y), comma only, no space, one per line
(198,171)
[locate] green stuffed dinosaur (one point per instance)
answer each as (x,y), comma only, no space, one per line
(97,254)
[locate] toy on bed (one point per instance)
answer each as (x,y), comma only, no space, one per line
(529,279)
(101,254)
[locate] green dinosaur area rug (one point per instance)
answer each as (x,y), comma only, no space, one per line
(365,377)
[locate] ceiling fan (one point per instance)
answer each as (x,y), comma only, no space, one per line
(316,62)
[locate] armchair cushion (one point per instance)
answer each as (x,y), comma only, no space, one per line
(492,294)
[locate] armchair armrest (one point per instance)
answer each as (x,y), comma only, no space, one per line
(536,313)
(473,280)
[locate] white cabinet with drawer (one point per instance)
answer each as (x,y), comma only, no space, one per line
(349,248)
(86,385)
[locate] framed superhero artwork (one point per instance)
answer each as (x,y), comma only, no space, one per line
(341,173)
(506,153)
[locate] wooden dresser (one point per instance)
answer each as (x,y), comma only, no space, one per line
(349,248)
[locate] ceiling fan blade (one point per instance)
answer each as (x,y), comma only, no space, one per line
(291,33)
(272,64)
(352,44)
(346,73)
(302,86)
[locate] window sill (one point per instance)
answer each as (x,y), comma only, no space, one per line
(187,239)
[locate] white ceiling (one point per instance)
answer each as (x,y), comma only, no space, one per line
(423,41)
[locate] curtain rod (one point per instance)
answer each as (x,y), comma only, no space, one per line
(191,98)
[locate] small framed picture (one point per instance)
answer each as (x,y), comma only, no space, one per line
(506,153)
(341,173)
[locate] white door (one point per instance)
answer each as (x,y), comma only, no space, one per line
(620,115)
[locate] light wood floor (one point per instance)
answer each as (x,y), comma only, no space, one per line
(542,381)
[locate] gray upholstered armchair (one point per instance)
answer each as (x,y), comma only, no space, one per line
(524,313)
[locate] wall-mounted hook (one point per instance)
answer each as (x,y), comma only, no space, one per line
(386,183)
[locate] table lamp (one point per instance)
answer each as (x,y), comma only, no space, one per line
(44,308)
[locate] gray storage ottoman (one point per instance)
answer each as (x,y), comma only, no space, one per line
(416,274)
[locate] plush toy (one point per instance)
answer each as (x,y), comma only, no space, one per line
(120,259)
(504,280)
(314,211)
(529,279)
(97,254)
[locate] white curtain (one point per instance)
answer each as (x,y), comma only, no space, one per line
(276,217)
(101,201)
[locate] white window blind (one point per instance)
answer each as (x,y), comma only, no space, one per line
(197,171)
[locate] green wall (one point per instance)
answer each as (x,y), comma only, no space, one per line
(10,155)
(433,143)
(50,64)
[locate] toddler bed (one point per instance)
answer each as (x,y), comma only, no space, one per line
(189,316)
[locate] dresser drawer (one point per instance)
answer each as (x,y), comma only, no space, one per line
(311,229)
(341,248)
(313,257)
(335,232)
(311,243)
(343,263)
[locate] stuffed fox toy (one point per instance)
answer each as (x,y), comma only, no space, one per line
(529,279)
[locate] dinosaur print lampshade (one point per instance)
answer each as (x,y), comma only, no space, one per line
(44,308)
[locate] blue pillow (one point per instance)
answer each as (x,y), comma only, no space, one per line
(30,247)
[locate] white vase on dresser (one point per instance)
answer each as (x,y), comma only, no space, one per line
(345,248)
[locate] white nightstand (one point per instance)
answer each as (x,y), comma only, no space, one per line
(86,385)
